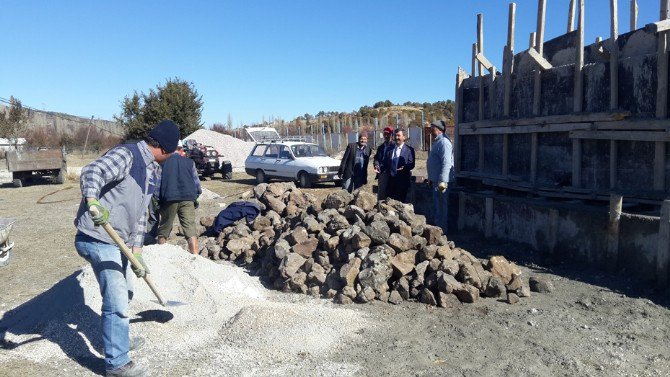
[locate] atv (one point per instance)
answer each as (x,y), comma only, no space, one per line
(206,160)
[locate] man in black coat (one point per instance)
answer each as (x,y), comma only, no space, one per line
(383,174)
(400,162)
(354,165)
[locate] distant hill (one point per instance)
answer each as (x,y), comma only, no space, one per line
(68,124)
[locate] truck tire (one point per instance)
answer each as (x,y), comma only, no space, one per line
(260,177)
(60,178)
(17,182)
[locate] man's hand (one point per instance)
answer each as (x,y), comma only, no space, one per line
(442,186)
(137,253)
(103,213)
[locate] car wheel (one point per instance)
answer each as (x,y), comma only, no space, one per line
(17,182)
(304,181)
(260,176)
(60,178)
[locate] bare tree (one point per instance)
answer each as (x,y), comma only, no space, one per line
(14,120)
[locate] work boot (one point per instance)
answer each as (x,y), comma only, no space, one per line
(136,343)
(129,370)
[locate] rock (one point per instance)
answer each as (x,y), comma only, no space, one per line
(336,200)
(428,252)
(349,233)
(524,291)
(448,283)
(366,294)
(514,284)
(467,293)
(333,280)
(281,249)
(363,252)
(274,217)
(332,243)
(279,188)
(378,231)
(298,235)
(450,267)
(239,245)
(512,298)
(261,222)
(495,287)
(418,242)
(365,200)
(432,234)
(468,274)
(351,212)
(427,297)
(338,222)
(275,204)
(349,292)
(399,243)
(207,221)
(292,210)
(290,265)
(349,271)
(448,300)
(405,230)
(540,285)
(420,271)
(402,286)
(360,240)
(259,190)
(326,215)
(446,252)
(297,282)
(331,293)
(306,248)
(342,299)
(403,263)
(376,269)
(296,196)
(395,298)
(314,291)
(500,267)
(312,225)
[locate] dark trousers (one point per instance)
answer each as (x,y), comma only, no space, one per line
(398,186)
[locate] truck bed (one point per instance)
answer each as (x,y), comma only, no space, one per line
(35,160)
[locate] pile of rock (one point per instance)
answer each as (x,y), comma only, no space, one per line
(354,248)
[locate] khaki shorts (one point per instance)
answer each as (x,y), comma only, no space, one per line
(185,211)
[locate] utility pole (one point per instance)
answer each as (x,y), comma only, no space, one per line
(90,123)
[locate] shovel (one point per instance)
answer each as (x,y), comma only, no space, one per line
(122,245)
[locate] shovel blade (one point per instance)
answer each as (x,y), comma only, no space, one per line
(170,303)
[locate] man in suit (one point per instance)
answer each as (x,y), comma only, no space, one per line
(354,165)
(400,162)
(383,175)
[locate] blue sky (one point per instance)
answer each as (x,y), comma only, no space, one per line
(258,59)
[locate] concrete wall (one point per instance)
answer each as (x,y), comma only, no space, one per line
(68,124)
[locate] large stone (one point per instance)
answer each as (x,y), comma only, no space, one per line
(363,252)
(361,240)
(365,200)
(448,300)
(275,204)
(338,222)
(427,297)
(377,269)
(395,298)
(281,249)
(468,274)
(402,286)
(366,294)
(432,234)
(317,275)
(540,285)
(279,188)
(349,233)
(403,263)
(312,225)
(420,271)
(512,298)
(418,242)
(467,293)
(298,235)
(351,211)
(207,221)
(261,222)
(378,231)
(292,210)
(428,252)
(332,244)
(239,245)
(259,190)
(342,299)
(500,267)
(326,215)
(447,283)
(336,200)
(274,217)
(446,252)
(296,196)
(495,287)
(405,230)
(399,243)
(349,292)
(306,248)
(290,265)
(349,271)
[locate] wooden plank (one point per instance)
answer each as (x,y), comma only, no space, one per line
(612,257)
(492,93)
(634,124)
(460,76)
(662,74)
(533,38)
(474,60)
(562,127)
(576,163)
(579,62)
(614,164)
(461,210)
(480,50)
(621,135)
(505,156)
(665,9)
(484,61)
(508,65)
(659,165)
(488,218)
(614,55)
(480,164)
(658,27)
(663,251)
(571,16)
(539,47)
(533,158)
(633,15)
(539,60)
(552,119)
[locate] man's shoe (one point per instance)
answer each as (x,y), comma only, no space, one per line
(136,343)
(129,370)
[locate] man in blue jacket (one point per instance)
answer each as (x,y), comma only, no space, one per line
(440,166)
(120,185)
(179,191)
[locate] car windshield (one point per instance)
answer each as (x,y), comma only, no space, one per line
(308,150)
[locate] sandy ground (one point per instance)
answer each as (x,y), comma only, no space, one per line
(593,324)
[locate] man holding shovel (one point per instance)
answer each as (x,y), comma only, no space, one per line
(118,187)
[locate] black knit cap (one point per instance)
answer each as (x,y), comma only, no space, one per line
(439,124)
(166,133)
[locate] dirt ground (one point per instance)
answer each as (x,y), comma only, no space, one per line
(593,324)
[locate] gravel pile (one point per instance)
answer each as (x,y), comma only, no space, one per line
(231,148)
(354,248)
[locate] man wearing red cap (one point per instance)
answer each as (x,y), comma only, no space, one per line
(383,174)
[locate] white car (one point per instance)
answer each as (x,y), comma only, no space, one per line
(303,162)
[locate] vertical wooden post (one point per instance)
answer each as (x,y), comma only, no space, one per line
(461,210)
(492,93)
(480,164)
(576,162)
(663,251)
(659,165)
(488,219)
(633,15)
(571,16)
(480,68)
(508,63)
(533,157)
(614,55)
(458,119)
(579,62)
(665,9)
(531,42)
(552,236)
(613,232)
(539,46)
(614,164)
(505,156)
(662,66)
(474,59)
